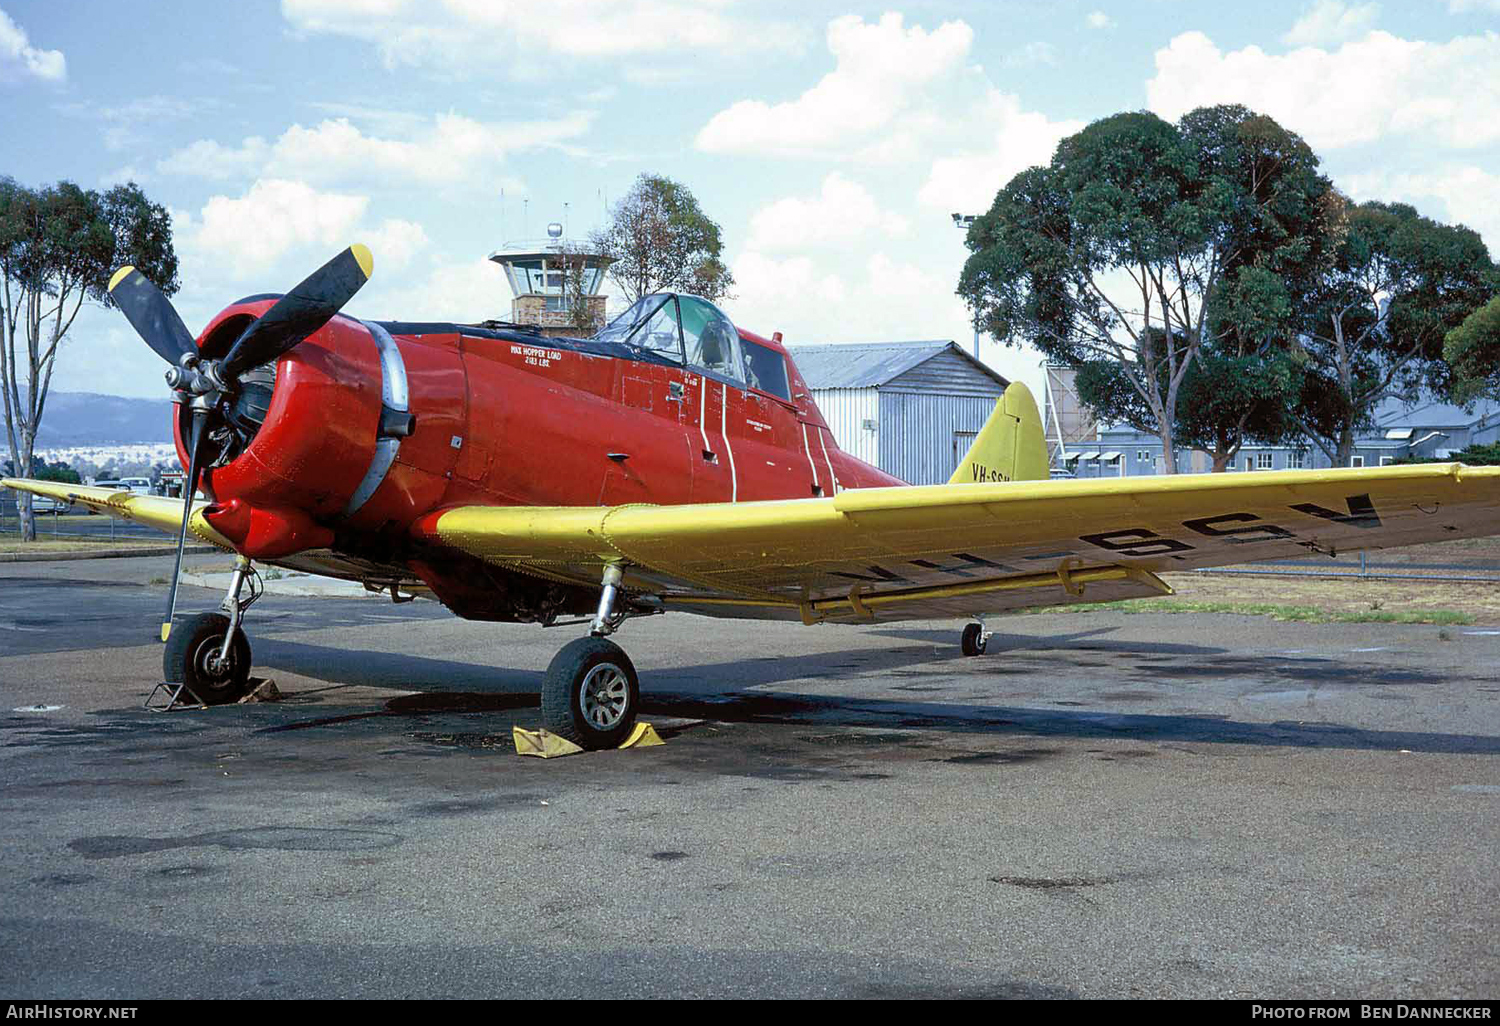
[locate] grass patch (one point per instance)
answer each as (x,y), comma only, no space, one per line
(44,544)
(1302,614)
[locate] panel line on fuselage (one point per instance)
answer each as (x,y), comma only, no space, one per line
(703,412)
(807,448)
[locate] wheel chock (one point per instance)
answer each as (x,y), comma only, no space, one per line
(546,745)
(261,690)
(643,735)
(542,743)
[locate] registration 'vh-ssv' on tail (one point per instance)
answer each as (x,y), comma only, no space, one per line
(670,462)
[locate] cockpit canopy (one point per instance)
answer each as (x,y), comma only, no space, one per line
(692,331)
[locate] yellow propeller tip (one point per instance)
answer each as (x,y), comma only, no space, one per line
(364,258)
(119,276)
(166,629)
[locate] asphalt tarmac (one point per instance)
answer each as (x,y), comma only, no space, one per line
(1104,805)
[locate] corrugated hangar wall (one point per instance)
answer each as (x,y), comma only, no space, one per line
(909,408)
(924,435)
(847,410)
(929,414)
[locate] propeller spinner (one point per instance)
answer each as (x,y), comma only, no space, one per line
(204,385)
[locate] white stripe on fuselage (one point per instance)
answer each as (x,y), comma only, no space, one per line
(734,480)
(703,412)
(831,475)
(807,448)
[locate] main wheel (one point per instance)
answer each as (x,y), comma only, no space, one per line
(973,640)
(591,693)
(192,658)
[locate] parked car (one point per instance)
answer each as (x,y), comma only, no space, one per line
(138,485)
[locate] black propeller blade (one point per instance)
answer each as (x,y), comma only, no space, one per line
(198,432)
(152,316)
(208,385)
(300,312)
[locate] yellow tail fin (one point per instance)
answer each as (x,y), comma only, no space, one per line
(1011,446)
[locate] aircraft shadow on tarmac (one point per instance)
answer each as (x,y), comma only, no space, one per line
(718,691)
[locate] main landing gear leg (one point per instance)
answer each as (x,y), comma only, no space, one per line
(209,654)
(591,693)
(975,639)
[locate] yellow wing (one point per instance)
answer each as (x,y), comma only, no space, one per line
(156,511)
(957,550)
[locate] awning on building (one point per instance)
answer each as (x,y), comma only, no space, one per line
(1108,457)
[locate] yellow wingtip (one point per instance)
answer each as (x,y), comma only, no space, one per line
(119,276)
(166,629)
(364,258)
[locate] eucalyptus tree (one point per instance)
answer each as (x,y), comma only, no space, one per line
(59,245)
(1145,250)
(660,239)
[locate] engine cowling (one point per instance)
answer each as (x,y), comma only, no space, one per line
(298,440)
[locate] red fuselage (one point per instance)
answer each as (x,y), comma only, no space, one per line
(501,418)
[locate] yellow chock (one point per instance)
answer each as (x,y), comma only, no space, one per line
(546,745)
(542,743)
(643,736)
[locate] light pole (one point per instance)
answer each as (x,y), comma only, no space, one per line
(963,223)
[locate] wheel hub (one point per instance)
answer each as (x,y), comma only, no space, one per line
(211,668)
(604,696)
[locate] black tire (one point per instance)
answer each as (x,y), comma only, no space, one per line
(187,659)
(601,667)
(973,643)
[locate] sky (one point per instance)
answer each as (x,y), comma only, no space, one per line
(831,141)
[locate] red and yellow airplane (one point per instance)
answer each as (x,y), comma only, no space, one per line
(671,462)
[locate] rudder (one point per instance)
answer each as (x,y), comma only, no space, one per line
(1011,446)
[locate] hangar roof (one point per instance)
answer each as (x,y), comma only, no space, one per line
(873,364)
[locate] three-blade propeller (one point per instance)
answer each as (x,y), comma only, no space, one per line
(204,384)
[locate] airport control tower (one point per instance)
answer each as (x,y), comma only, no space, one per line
(555,284)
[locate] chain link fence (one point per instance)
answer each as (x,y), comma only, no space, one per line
(60,522)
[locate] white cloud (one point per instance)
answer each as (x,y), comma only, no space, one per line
(18,58)
(470,36)
(1331,21)
(209,159)
(842,212)
(967,182)
(872,105)
(130,123)
(247,235)
(1454,194)
(1033,54)
(395,243)
(1372,88)
(449,150)
(1099,20)
(467,291)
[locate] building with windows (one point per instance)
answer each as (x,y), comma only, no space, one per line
(554,284)
(910,408)
(1422,429)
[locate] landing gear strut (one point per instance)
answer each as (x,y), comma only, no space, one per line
(208,654)
(591,692)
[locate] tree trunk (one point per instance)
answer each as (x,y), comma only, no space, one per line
(24,499)
(1346,446)
(1168,455)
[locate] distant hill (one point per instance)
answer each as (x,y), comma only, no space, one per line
(86,418)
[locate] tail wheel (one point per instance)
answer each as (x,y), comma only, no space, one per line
(591,693)
(192,658)
(973,640)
